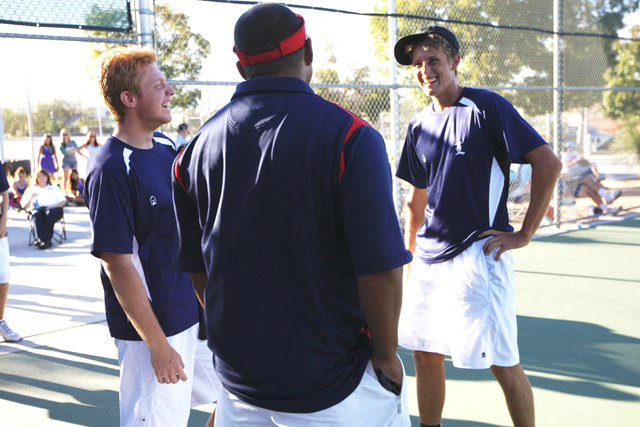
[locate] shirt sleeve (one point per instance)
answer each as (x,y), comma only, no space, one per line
(410,168)
(370,222)
(58,195)
(190,257)
(517,135)
(110,209)
(4,183)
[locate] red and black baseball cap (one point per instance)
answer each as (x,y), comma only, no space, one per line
(404,58)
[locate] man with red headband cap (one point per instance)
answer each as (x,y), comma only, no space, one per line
(288,228)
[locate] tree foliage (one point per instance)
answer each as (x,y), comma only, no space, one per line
(15,123)
(497,56)
(54,115)
(625,73)
(367,103)
(181,52)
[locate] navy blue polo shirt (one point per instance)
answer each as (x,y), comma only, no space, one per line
(4,183)
(128,192)
(283,199)
(462,157)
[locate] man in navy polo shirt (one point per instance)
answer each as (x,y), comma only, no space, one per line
(288,228)
(460,299)
(152,311)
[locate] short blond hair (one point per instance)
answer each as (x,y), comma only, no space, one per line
(436,41)
(120,72)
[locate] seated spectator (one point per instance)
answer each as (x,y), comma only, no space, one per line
(181,138)
(46,201)
(20,184)
(75,189)
(578,172)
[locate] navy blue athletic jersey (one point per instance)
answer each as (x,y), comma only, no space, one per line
(462,157)
(283,199)
(128,192)
(4,183)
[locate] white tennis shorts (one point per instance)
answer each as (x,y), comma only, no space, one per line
(464,307)
(369,405)
(206,385)
(4,260)
(146,402)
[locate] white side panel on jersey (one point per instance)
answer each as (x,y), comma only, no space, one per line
(126,153)
(496,186)
(135,259)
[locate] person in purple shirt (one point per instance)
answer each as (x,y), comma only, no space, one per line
(288,228)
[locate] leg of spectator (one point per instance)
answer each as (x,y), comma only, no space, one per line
(44,231)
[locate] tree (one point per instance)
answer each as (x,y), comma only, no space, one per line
(499,56)
(625,73)
(15,123)
(50,117)
(181,52)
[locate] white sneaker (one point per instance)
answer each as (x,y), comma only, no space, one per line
(8,334)
(613,211)
(611,197)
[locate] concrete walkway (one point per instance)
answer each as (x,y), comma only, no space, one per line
(578,296)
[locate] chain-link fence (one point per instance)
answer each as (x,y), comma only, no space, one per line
(561,63)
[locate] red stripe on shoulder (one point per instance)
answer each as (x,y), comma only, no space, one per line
(177,173)
(356,124)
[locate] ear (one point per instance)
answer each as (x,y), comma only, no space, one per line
(455,61)
(241,70)
(308,52)
(127,99)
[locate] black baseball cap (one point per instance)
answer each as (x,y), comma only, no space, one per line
(404,58)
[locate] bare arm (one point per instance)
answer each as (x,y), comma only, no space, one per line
(416,204)
(199,281)
(381,298)
(167,363)
(4,205)
(545,169)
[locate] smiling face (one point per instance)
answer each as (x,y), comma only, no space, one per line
(436,73)
(152,102)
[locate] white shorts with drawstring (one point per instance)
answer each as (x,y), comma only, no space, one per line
(464,307)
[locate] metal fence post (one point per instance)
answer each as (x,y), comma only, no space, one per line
(395,111)
(557,95)
(145,37)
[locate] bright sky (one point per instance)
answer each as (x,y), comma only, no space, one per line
(61,69)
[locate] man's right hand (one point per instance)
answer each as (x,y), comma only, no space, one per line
(392,369)
(167,365)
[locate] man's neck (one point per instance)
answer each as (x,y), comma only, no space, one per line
(446,100)
(134,134)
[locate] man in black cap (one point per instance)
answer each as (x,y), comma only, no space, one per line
(460,299)
(287,226)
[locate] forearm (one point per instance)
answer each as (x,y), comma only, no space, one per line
(4,205)
(133,298)
(381,299)
(199,281)
(414,216)
(545,169)
(58,205)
